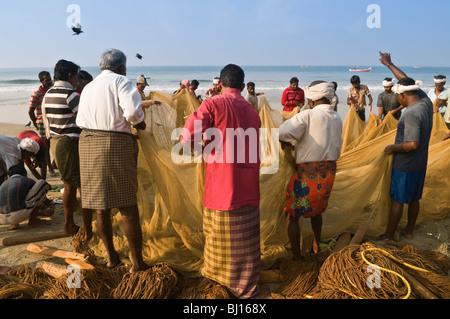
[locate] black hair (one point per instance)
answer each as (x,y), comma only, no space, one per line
(335,85)
(294,80)
(232,76)
(440,77)
(251,84)
(42,74)
(355,79)
(84,75)
(388,79)
(195,82)
(17,169)
(64,68)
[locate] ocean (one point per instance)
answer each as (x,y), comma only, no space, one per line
(17,84)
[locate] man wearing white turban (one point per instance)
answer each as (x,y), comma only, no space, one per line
(13,150)
(410,150)
(317,136)
(387,101)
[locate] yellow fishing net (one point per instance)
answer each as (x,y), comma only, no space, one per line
(171,191)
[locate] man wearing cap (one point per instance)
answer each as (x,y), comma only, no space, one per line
(21,198)
(141,84)
(410,150)
(437,93)
(14,150)
(317,136)
(387,101)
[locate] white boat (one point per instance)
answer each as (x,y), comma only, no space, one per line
(361,70)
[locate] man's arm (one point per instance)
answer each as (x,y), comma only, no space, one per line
(385,58)
(405,147)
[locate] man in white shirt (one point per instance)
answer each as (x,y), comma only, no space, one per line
(317,135)
(109,107)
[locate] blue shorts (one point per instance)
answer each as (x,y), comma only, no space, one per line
(406,187)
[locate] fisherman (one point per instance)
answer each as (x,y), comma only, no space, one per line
(317,135)
(388,102)
(410,150)
(231,216)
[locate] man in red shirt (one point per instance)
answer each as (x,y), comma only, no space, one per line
(293,96)
(231,125)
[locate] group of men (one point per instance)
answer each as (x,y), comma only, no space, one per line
(96,153)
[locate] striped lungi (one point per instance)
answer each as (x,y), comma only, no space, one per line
(108,169)
(232,254)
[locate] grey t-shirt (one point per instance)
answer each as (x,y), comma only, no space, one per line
(389,103)
(415,125)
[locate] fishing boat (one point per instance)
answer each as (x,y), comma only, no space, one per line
(360,70)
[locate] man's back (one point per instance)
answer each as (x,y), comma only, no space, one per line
(415,125)
(60,107)
(13,193)
(232,169)
(110,103)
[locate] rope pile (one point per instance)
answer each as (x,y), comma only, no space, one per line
(370,272)
(388,271)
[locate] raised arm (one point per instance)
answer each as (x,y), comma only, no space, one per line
(385,58)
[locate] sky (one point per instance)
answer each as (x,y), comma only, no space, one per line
(204,32)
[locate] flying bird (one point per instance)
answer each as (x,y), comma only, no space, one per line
(77,29)
(139,56)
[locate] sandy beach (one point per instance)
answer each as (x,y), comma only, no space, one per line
(430,235)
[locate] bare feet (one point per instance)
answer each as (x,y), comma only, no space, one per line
(13,227)
(88,234)
(264,291)
(71,229)
(5,269)
(113,261)
(36,223)
(385,237)
(137,268)
(407,234)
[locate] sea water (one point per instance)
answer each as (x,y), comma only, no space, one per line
(17,84)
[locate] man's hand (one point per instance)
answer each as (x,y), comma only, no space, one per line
(140,126)
(390,149)
(385,58)
(284,145)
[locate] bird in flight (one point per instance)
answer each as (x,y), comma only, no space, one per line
(77,29)
(139,56)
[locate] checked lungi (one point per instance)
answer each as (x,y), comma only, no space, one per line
(310,188)
(232,249)
(108,169)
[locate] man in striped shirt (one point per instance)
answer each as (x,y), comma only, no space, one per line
(59,110)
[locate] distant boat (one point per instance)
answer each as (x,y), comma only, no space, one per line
(360,70)
(416,67)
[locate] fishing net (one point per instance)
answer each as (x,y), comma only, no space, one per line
(170,195)
(171,185)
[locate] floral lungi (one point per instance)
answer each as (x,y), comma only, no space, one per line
(310,188)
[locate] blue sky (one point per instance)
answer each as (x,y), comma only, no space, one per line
(204,32)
